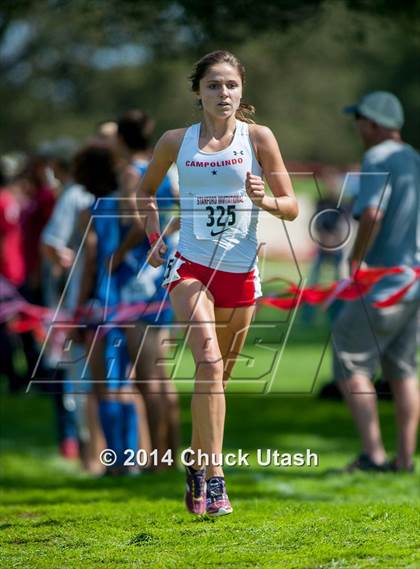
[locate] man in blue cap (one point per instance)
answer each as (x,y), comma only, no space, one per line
(388,210)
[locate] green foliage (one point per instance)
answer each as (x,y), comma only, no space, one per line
(65,65)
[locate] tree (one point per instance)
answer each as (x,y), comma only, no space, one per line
(66,64)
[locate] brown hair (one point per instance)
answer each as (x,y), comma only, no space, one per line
(94,168)
(245,111)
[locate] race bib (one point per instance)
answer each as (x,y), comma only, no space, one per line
(218,215)
(171,270)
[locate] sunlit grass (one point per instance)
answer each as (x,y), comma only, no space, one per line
(52,515)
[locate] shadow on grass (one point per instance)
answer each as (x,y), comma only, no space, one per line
(290,424)
(306,486)
(152,487)
(251,421)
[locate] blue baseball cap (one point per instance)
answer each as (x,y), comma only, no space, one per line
(381,107)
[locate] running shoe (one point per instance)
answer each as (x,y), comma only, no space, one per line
(195,495)
(217,503)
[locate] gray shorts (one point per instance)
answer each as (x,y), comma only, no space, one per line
(364,337)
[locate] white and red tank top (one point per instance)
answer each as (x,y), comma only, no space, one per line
(218,219)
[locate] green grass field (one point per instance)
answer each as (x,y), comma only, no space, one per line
(54,516)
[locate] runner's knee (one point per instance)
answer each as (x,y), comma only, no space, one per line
(210,370)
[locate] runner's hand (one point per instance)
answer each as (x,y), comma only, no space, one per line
(156,255)
(255,188)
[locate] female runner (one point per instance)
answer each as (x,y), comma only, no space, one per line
(213,280)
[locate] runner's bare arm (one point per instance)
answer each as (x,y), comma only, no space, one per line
(164,155)
(283,203)
(140,201)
